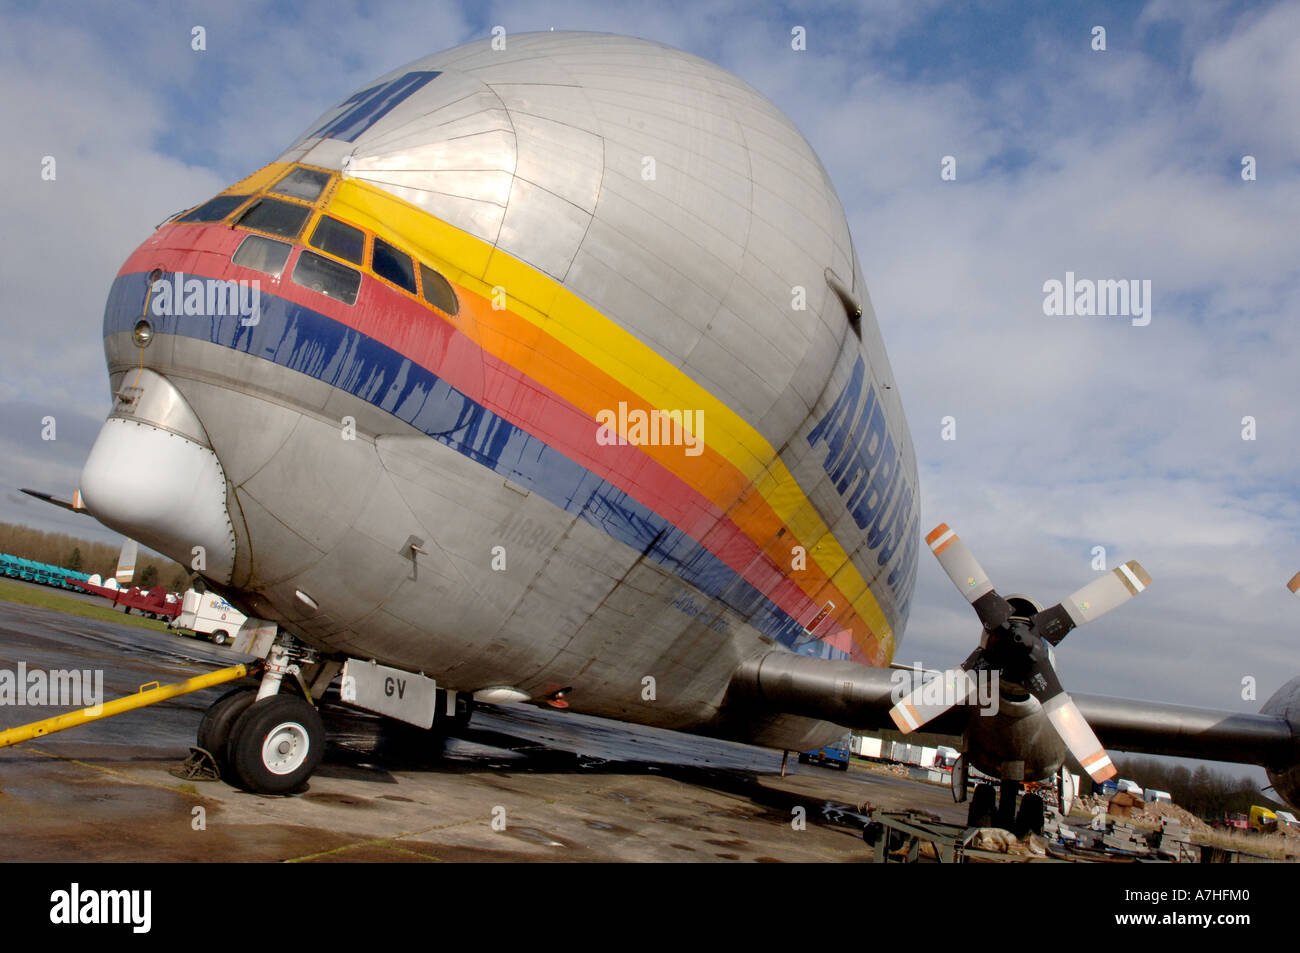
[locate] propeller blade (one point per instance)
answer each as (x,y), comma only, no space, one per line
(1065,716)
(1294,585)
(1092,601)
(968,576)
(1069,723)
(928,701)
(1042,682)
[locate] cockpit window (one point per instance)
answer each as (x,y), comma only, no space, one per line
(393,265)
(319,273)
(264,254)
(339,239)
(437,290)
(272,215)
(306,184)
(214,210)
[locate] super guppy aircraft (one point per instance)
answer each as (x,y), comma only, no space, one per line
(544,369)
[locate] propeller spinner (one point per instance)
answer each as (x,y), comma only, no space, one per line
(1019,647)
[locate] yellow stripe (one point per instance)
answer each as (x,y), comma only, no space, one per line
(548,305)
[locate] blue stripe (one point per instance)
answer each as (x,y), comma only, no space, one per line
(307,341)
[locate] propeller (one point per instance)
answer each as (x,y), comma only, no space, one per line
(1294,585)
(1019,647)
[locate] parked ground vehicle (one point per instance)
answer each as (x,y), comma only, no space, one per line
(834,755)
(208,615)
(1262,819)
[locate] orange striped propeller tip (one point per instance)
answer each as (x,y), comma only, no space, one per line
(940,538)
(942,528)
(1294,584)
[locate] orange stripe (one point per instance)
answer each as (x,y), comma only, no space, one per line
(553,365)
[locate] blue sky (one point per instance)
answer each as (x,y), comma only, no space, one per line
(1072,432)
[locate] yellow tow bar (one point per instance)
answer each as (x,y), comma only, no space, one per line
(146,696)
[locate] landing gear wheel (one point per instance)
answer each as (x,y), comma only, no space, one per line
(983,805)
(214,729)
(276,744)
(1030,818)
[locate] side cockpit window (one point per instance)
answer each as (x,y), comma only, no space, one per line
(264,254)
(393,265)
(318,273)
(214,210)
(305,184)
(276,217)
(437,290)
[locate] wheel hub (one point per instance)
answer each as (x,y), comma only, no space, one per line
(286,748)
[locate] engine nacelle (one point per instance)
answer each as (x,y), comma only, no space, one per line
(1285,778)
(1018,734)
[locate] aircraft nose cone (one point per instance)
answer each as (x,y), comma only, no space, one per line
(153,476)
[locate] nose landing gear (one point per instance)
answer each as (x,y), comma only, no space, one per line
(268,739)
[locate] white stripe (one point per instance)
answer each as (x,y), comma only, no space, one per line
(911,722)
(1137,584)
(1099,767)
(942,539)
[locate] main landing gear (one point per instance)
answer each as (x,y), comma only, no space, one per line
(987,809)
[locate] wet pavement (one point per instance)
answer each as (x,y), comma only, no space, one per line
(520,784)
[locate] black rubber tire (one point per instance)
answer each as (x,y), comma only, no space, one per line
(1030,817)
(983,806)
(220,637)
(304,736)
(872,833)
(214,729)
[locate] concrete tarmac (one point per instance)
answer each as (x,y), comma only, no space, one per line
(520,784)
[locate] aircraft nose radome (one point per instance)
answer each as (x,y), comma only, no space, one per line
(153,476)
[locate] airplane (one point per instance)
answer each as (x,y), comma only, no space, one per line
(543,369)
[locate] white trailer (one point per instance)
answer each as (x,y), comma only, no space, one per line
(207,614)
(866,746)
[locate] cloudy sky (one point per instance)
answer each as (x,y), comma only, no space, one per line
(1072,432)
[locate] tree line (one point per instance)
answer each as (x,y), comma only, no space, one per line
(1207,793)
(81,555)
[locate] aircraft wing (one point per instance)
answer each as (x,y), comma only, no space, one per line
(861,698)
(1158,728)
